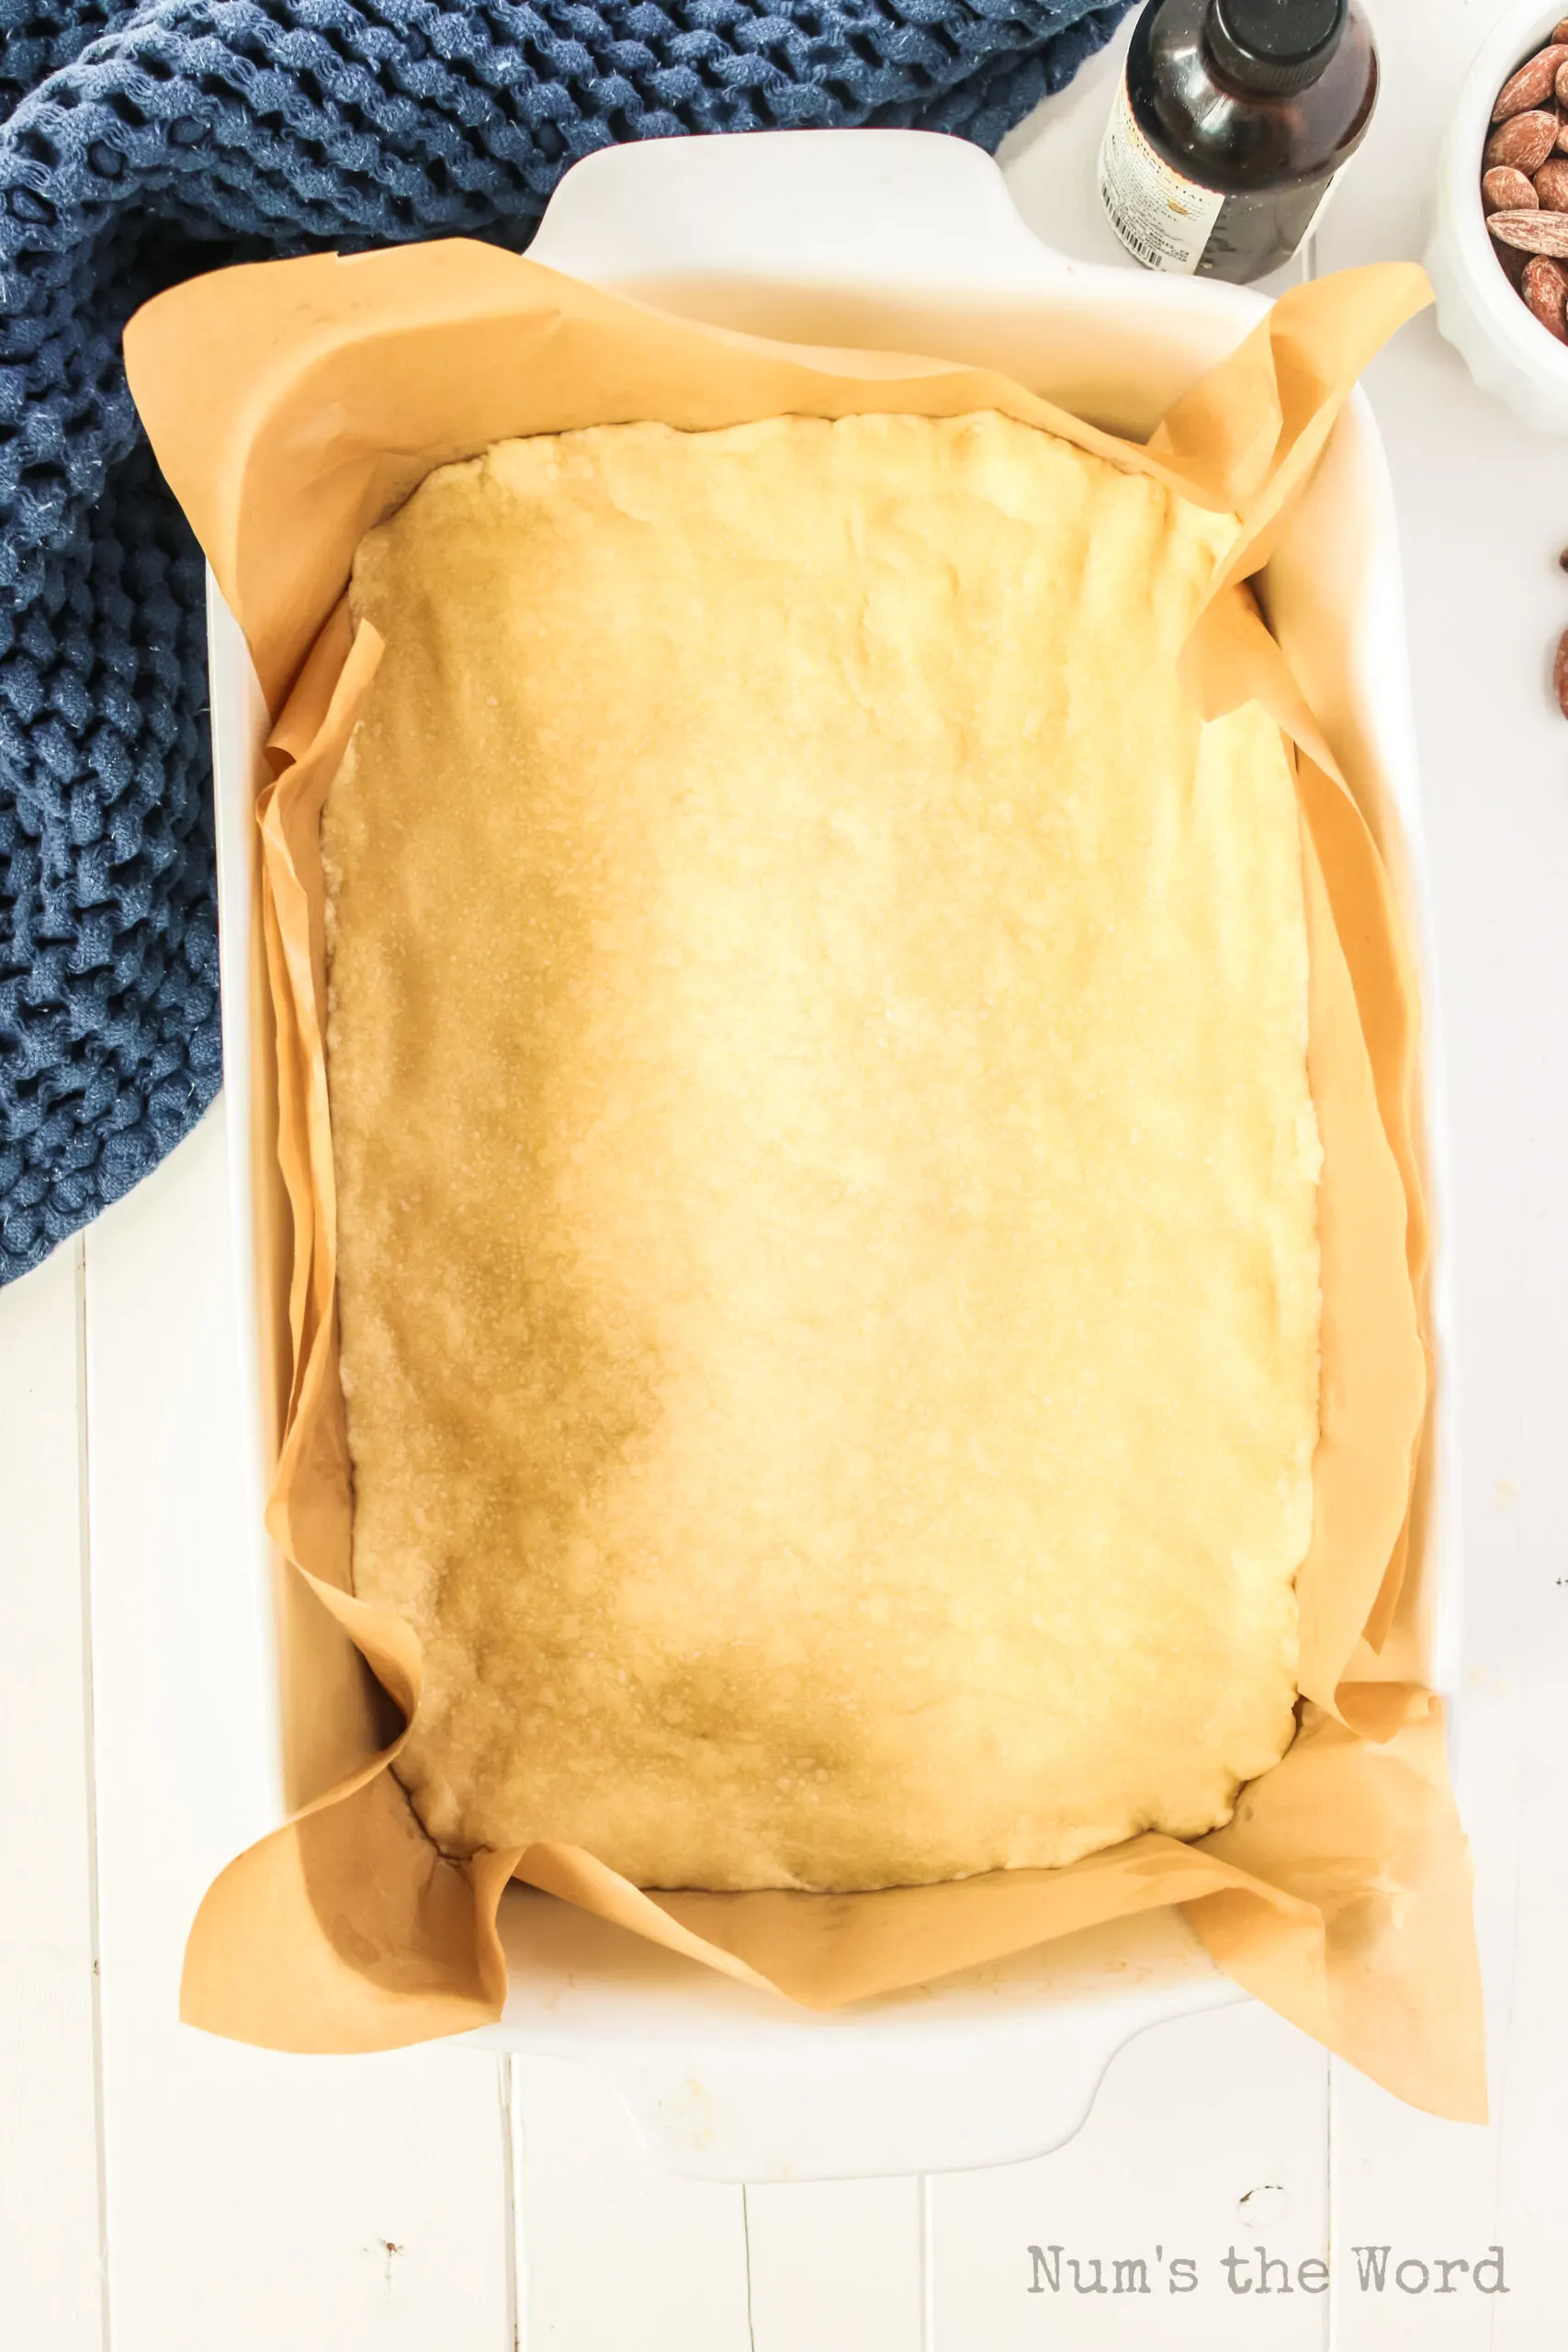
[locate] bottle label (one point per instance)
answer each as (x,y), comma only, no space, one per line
(1162,218)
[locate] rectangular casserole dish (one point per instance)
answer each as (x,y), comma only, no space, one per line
(909,241)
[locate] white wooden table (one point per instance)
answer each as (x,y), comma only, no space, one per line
(163,2192)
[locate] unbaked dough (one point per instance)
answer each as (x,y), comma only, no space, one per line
(826,1166)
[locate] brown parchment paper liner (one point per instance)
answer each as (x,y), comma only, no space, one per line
(292,404)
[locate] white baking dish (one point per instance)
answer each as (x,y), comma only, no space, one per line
(907,241)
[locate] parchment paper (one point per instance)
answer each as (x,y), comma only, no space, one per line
(293,404)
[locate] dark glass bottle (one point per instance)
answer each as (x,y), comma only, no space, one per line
(1232,122)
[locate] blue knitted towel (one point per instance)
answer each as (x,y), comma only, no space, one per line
(138,145)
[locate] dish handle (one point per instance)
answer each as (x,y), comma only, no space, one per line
(890,207)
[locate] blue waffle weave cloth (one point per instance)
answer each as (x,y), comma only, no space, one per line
(138,145)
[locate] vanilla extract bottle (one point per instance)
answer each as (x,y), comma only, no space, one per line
(1233,120)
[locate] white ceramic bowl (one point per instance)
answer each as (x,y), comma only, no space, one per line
(1506,351)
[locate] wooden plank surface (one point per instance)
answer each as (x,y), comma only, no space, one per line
(51,2281)
(613,2251)
(836,2266)
(1207,2141)
(253,2200)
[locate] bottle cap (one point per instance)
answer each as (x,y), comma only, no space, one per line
(1274,46)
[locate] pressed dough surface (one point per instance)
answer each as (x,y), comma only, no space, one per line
(827,1174)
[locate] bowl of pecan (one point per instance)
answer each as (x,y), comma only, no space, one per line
(1499,254)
